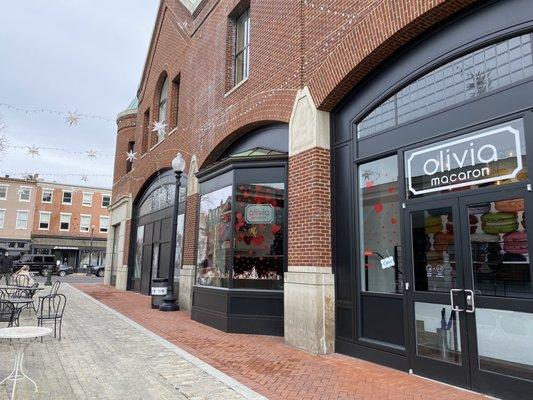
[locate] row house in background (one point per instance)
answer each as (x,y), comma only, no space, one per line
(70,221)
(17,210)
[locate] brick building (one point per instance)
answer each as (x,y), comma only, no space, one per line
(69,221)
(356,179)
(17,201)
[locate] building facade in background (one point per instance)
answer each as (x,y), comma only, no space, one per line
(357,179)
(17,210)
(69,222)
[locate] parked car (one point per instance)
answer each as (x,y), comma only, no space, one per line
(98,270)
(38,263)
(64,269)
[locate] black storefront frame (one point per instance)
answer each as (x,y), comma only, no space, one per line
(231,309)
(486,110)
(162,177)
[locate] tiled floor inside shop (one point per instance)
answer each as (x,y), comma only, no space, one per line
(266,365)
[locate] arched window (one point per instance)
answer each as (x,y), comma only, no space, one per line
(163,100)
(460,80)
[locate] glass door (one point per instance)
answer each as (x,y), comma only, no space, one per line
(438,339)
(498,291)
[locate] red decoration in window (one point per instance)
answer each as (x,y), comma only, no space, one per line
(378,207)
(393,221)
(369,184)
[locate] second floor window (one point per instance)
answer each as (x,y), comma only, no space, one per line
(85,223)
(22,219)
(242,47)
(87,199)
(24,193)
(64,222)
(104,224)
(47,195)
(3,192)
(44,220)
(67,197)
(106,201)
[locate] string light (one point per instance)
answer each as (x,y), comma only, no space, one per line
(72,117)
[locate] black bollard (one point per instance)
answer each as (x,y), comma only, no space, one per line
(48,276)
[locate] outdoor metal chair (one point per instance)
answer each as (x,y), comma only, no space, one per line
(22,280)
(51,310)
(55,287)
(8,312)
(27,293)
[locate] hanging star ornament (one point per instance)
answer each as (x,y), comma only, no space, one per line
(84,177)
(73,118)
(366,174)
(34,151)
(4,145)
(131,156)
(91,154)
(160,128)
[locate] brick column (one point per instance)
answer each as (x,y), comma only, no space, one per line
(309,292)
(190,237)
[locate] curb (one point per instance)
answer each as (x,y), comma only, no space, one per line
(236,386)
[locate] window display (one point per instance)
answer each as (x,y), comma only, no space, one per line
(259,236)
(214,238)
(379,219)
(138,252)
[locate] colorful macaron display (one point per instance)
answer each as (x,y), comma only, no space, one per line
(515,242)
(512,205)
(433,257)
(442,240)
(472,219)
(433,224)
(479,208)
(494,223)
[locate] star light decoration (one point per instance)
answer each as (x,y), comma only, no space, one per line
(33,151)
(84,177)
(91,154)
(366,174)
(131,156)
(4,145)
(73,118)
(160,129)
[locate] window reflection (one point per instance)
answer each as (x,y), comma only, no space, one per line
(379,210)
(138,261)
(214,238)
(434,250)
(259,236)
(499,249)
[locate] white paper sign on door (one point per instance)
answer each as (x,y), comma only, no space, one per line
(387,262)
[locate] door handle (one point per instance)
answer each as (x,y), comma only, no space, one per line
(454,307)
(470,301)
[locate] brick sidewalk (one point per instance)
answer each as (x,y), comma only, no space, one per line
(271,368)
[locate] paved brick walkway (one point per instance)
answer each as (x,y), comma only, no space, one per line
(271,368)
(104,356)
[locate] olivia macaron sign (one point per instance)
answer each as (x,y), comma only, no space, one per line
(489,155)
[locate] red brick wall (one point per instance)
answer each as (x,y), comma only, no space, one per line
(309,209)
(76,209)
(328,46)
(190,235)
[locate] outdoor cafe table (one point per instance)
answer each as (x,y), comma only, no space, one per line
(22,337)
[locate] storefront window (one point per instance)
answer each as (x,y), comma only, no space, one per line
(380,232)
(214,238)
(179,247)
(464,78)
(138,253)
(259,236)
(491,156)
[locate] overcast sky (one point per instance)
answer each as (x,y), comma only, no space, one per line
(82,55)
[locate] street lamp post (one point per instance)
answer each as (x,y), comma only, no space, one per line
(89,273)
(169,301)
